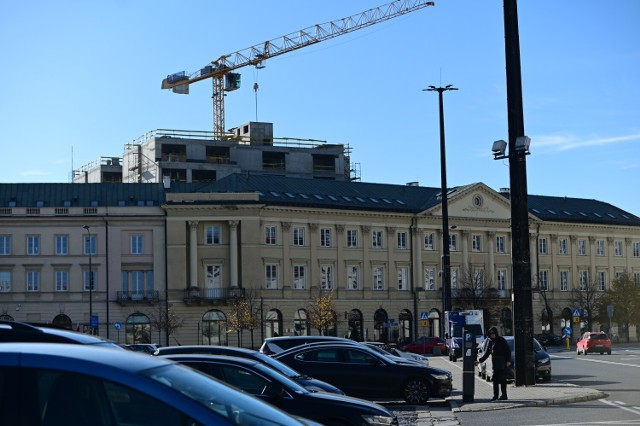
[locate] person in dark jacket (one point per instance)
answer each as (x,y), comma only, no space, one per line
(500,353)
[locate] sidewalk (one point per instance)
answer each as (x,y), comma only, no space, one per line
(545,393)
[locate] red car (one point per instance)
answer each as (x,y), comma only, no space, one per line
(594,342)
(426,345)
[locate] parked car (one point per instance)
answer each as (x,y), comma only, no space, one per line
(14,331)
(272,387)
(274,345)
(304,380)
(397,354)
(62,384)
(594,342)
(548,339)
(427,345)
(363,372)
(147,348)
(542,361)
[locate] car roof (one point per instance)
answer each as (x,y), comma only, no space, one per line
(340,345)
(14,331)
(278,338)
(201,349)
(210,357)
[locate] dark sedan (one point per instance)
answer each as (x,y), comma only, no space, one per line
(363,372)
(272,387)
(306,381)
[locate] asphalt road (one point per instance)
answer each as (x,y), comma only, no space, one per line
(617,374)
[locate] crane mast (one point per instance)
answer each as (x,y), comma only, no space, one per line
(221,69)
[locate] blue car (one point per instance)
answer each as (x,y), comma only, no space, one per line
(51,384)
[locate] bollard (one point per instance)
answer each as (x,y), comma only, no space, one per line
(568,344)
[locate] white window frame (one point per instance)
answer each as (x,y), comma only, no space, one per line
(453,242)
(377,239)
(429,241)
(5,245)
(602,280)
(563,246)
(618,248)
(476,243)
(636,249)
(478,278)
(454,273)
(402,238)
(582,247)
(583,280)
(33,281)
(33,245)
(137,244)
(378,278)
(298,236)
(326,277)
(543,280)
(352,238)
(500,244)
(501,276)
(62,244)
(270,235)
(600,248)
(271,276)
(212,235)
(325,237)
(543,247)
(299,277)
(213,281)
(86,279)
(353,277)
(61,278)
(564,280)
(5,281)
(430,278)
(403,278)
(89,246)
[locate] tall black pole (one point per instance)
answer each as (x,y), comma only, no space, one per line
(446,258)
(521,257)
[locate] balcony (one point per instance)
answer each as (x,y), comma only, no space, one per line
(126,298)
(211,296)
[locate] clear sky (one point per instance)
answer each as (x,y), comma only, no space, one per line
(80,79)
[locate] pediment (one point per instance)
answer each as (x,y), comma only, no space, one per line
(476,201)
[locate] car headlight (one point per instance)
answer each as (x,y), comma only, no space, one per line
(545,360)
(372,419)
(442,377)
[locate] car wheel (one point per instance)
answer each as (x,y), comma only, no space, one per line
(577,351)
(609,353)
(416,391)
(584,352)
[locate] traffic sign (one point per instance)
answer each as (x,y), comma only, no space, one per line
(95,322)
(567,331)
(425,323)
(117,325)
(576,312)
(424,316)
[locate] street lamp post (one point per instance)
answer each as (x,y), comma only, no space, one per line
(446,258)
(89,250)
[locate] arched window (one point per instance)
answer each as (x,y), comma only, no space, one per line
(62,320)
(138,329)
(404,332)
(301,323)
(214,328)
(273,323)
(380,320)
(6,317)
(354,321)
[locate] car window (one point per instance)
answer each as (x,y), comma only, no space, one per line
(319,355)
(355,356)
(244,379)
(599,336)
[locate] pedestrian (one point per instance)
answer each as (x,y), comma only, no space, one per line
(500,353)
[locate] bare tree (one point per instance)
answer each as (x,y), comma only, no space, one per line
(588,296)
(474,289)
(322,312)
(167,321)
(624,295)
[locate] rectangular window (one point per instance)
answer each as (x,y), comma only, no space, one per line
(378,278)
(542,246)
(636,249)
(636,278)
(564,280)
(563,246)
(299,277)
(62,280)
(353,277)
(298,236)
(33,280)
(326,277)
(430,279)
(600,248)
(137,244)
(429,241)
(500,244)
(453,242)
(137,285)
(213,282)
(543,277)
(352,238)
(5,245)
(89,280)
(402,240)
(376,239)
(33,245)
(403,278)
(271,277)
(478,280)
(617,248)
(62,245)
(325,237)
(602,281)
(454,278)
(5,281)
(584,280)
(582,247)
(270,232)
(212,235)
(89,245)
(476,243)
(502,279)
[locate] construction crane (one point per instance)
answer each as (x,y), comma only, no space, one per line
(225,80)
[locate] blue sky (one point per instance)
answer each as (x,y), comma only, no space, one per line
(82,78)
